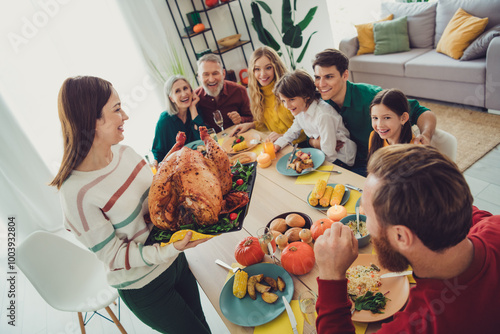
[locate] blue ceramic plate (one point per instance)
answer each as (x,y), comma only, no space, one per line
(318,157)
(345,198)
(248,312)
(194,144)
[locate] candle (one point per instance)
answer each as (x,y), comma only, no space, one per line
(336,212)
(269,149)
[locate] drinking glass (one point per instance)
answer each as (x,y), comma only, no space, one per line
(266,238)
(307,303)
(212,133)
(219,121)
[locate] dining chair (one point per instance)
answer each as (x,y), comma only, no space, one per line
(68,277)
(446,143)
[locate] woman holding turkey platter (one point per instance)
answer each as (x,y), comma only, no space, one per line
(104,194)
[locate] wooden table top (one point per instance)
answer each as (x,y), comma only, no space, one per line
(273,194)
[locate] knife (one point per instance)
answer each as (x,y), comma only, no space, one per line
(290,158)
(353,188)
(402,273)
(291,316)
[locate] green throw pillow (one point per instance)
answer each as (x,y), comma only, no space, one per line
(391,36)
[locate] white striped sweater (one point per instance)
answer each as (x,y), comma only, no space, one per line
(105,210)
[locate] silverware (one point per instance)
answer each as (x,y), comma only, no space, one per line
(227,266)
(312,169)
(357,234)
(291,316)
(353,187)
(401,273)
(290,158)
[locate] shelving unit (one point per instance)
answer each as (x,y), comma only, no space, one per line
(182,28)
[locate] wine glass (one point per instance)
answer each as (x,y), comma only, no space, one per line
(219,121)
(307,303)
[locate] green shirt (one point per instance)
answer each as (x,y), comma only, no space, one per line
(356,115)
(166,131)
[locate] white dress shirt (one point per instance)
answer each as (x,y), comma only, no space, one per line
(322,120)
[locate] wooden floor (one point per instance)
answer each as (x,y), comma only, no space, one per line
(35,316)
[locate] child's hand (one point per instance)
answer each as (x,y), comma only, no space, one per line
(273,136)
(277,148)
(315,142)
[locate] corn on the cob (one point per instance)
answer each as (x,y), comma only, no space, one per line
(325,200)
(338,193)
(319,188)
(240,284)
(312,199)
(240,146)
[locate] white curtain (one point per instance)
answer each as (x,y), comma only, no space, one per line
(23,179)
(154,31)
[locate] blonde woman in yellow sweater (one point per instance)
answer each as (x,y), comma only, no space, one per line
(266,68)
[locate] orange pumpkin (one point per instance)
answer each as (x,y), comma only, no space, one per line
(248,252)
(198,28)
(320,226)
(298,258)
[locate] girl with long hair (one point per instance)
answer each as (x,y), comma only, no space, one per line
(266,68)
(390,115)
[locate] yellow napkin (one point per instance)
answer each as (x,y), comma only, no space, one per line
(410,277)
(360,327)
(282,324)
(351,203)
(312,177)
(257,149)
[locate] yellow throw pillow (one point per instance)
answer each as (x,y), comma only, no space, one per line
(460,32)
(365,36)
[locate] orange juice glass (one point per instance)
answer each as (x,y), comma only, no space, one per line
(269,149)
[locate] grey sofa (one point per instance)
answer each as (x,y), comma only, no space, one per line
(422,72)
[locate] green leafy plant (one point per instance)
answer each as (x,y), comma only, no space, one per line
(290,33)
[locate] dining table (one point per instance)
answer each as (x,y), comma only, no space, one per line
(273,194)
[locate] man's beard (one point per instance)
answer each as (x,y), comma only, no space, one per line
(388,257)
(217,90)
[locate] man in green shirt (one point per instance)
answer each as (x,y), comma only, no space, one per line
(352,101)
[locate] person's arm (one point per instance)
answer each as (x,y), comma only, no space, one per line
(327,125)
(242,128)
(425,120)
(334,251)
(427,125)
(159,148)
(289,136)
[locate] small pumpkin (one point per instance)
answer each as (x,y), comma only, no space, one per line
(298,258)
(320,226)
(305,235)
(282,241)
(248,252)
(198,28)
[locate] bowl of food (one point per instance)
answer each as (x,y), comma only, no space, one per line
(350,221)
(289,224)
(229,40)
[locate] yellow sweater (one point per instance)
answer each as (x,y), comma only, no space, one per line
(279,119)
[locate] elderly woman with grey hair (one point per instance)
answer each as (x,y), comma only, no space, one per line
(181,115)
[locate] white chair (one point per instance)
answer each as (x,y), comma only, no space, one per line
(446,143)
(67,276)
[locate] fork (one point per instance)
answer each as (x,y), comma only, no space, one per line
(312,169)
(357,234)
(227,266)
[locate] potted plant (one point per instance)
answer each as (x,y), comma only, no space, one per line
(290,33)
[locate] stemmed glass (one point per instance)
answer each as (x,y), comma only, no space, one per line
(267,243)
(219,121)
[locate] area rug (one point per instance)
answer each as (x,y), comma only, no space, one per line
(477,132)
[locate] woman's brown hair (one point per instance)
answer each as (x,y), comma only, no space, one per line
(256,96)
(396,101)
(80,104)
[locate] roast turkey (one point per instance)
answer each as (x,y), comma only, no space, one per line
(190,187)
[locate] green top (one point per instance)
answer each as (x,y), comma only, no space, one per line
(356,115)
(166,131)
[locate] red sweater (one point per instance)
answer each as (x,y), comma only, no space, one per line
(468,303)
